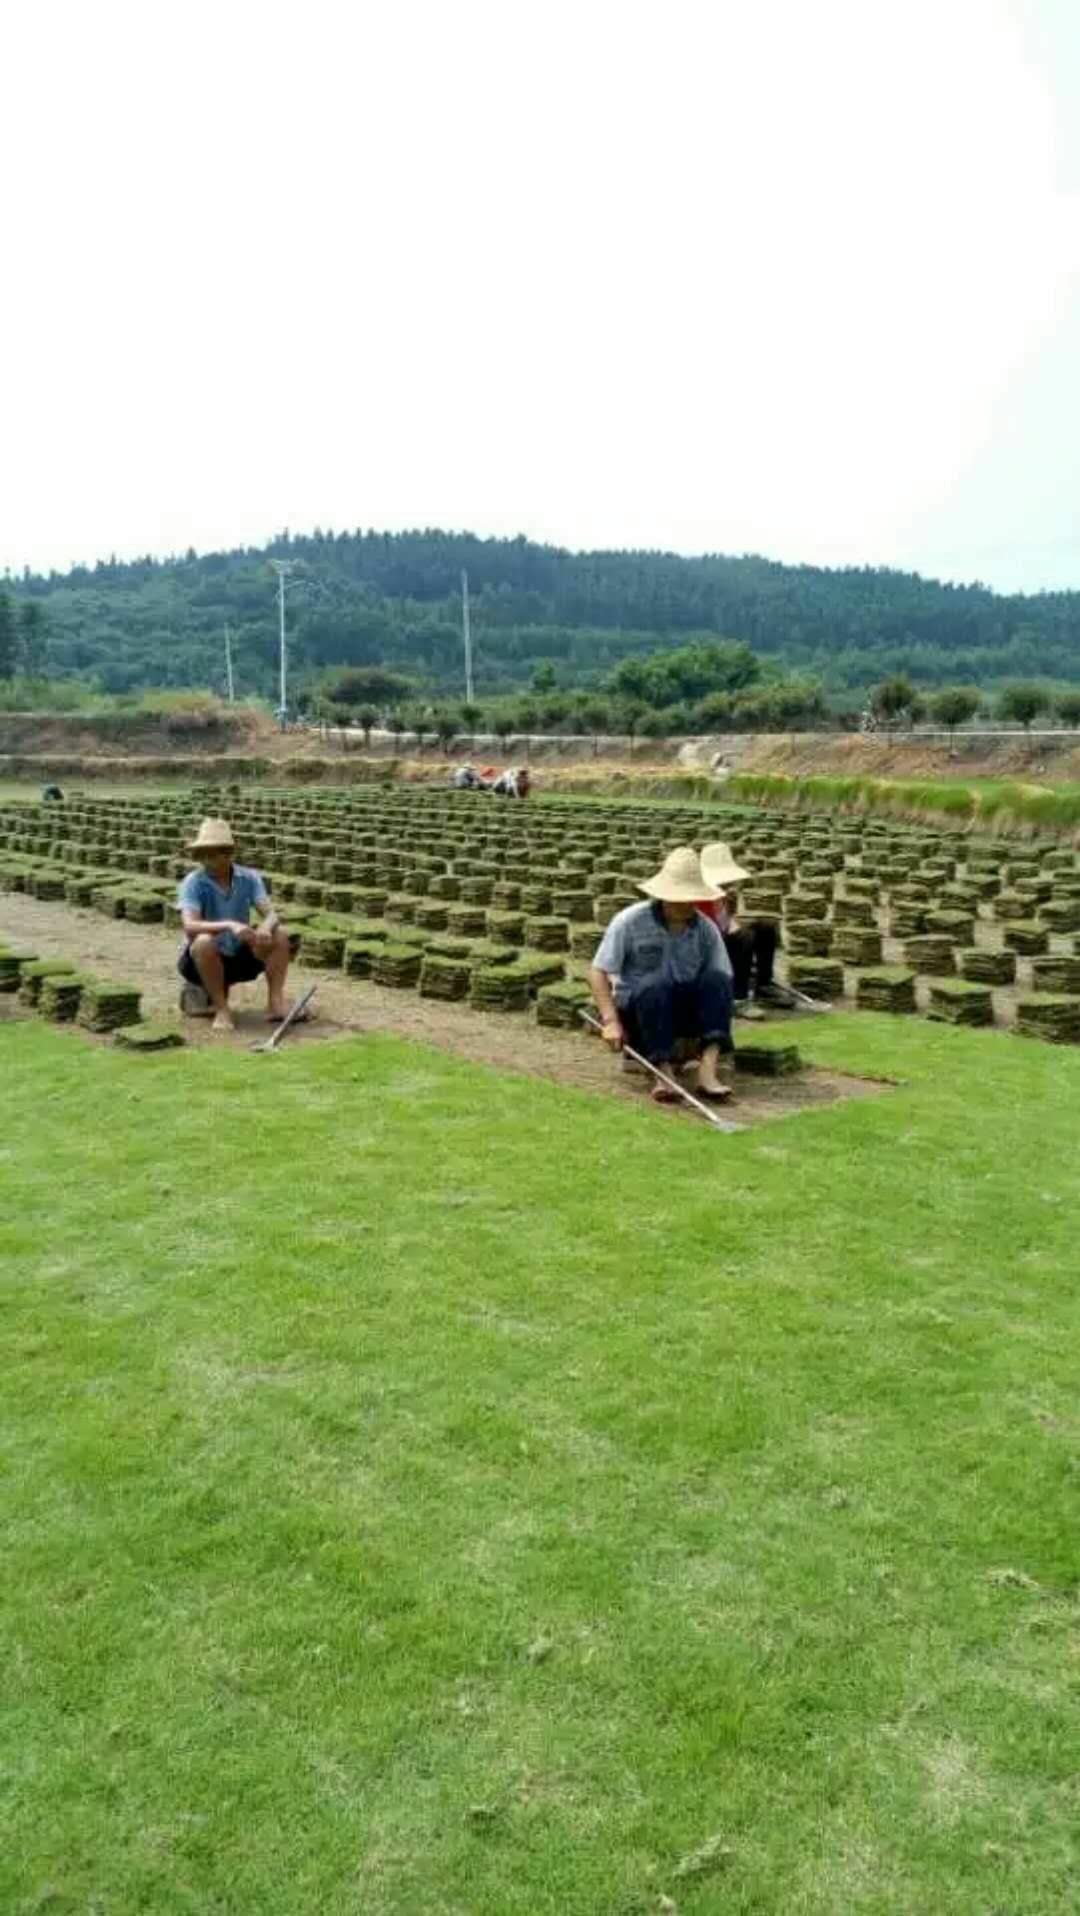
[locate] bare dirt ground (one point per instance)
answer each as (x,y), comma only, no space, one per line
(1042,759)
(145,956)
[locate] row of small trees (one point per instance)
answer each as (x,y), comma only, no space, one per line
(24,641)
(896,702)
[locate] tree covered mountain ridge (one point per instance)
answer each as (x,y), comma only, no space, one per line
(393,598)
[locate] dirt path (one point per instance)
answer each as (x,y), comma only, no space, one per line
(145,956)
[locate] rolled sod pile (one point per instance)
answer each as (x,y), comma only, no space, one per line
(59,996)
(1052,1016)
(323,949)
(33,975)
(1025,937)
(498,988)
(988,967)
(397,965)
(955,1001)
(547,934)
(931,955)
(157,1036)
(854,946)
(446,978)
(768,1061)
(887,988)
(819,977)
(106,1007)
(807,937)
(1057,972)
(558,1006)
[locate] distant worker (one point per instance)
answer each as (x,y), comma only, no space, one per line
(751,948)
(465,779)
(515,782)
(221,948)
(662,976)
(52,795)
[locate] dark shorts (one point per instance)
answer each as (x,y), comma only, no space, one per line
(240,966)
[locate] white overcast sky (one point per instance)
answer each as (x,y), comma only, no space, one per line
(789,276)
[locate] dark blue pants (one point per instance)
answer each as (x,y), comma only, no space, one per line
(657,1015)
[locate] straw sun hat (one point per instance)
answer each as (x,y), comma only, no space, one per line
(680,880)
(213,835)
(719,867)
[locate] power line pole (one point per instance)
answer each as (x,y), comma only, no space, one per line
(228,668)
(467,636)
(284,569)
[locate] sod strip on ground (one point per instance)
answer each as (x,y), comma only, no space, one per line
(480,1497)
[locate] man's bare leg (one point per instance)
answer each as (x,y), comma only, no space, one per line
(212,973)
(708,1081)
(277,965)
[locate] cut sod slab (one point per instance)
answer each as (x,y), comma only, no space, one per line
(153,1036)
(1053,1016)
(886,988)
(956,1001)
(33,975)
(106,1007)
(767,1060)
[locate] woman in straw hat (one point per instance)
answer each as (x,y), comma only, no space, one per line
(661,974)
(751,948)
(220,947)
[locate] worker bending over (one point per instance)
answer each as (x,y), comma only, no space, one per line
(751,948)
(661,975)
(221,948)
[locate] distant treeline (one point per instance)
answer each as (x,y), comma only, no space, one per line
(365,598)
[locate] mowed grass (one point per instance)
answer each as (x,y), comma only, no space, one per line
(426,1491)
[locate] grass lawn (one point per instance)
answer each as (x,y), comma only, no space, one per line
(430,1492)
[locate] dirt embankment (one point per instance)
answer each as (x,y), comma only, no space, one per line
(1045,757)
(128,734)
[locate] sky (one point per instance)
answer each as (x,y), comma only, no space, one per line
(783,278)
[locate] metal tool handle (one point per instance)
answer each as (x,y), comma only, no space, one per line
(294,1012)
(714,1118)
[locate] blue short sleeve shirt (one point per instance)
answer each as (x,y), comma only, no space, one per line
(200,893)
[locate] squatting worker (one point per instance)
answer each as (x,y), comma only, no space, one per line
(221,948)
(751,948)
(661,974)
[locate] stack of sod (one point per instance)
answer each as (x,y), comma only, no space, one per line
(1061,914)
(323,948)
(397,965)
(499,988)
(571,902)
(547,934)
(142,907)
(509,926)
(907,921)
(105,1007)
(768,1060)
(477,891)
(506,897)
(47,885)
(1056,972)
(583,942)
(444,977)
(108,900)
(930,955)
(958,926)
(853,911)
(888,988)
(431,914)
(855,946)
(538,970)
(400,909)
(149,1037)
(446,885)
(79,889)
(988,967)
(559,1005)
(535,899)
(758,902)
(955,1001)
(1050,1015)
(453,948)
(806,904)
(469,921)
(360,955)
(818,977)
(33,974)
(59,996)
(1025,937)
(807,937)
(11,963)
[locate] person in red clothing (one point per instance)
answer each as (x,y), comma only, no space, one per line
(751,948)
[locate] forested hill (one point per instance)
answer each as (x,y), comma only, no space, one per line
(369,597)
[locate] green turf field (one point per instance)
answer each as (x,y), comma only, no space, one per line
(426,1491)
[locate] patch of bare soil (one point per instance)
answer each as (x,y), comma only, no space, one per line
(145,956)
(1042,758)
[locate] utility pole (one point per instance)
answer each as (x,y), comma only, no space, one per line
(284,569)
(467,635)
(228,668)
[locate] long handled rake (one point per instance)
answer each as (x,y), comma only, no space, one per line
(662,1077)
(271,1043)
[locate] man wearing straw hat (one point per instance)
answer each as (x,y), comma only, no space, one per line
(661,974)
(221,948)
(751,948)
